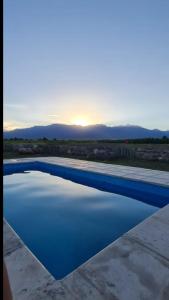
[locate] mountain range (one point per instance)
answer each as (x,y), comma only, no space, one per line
(62,131)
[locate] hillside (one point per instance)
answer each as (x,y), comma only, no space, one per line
(61,131)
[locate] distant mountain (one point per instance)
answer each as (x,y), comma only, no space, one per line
(61,131)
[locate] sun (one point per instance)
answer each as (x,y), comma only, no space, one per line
(81,122)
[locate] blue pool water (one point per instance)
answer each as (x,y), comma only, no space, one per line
(66,223)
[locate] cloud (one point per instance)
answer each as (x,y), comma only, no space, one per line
(16,106)
(53,116)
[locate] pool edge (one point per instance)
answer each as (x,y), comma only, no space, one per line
(85,281)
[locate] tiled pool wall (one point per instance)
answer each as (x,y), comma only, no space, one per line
(146,192)
(134,267)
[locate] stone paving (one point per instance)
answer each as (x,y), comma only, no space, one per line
(141,174)
(134,267)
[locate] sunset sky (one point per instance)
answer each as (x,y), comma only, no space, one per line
(85,62)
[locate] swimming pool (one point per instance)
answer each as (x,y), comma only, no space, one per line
(64,222)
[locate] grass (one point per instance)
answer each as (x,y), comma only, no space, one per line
(153,165)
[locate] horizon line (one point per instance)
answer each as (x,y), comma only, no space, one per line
(83,126)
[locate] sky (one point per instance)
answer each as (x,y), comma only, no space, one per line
(86,62)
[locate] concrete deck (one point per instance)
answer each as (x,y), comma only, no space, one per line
(141,174)
(134,267)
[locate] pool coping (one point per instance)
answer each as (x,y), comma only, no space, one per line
(135,266)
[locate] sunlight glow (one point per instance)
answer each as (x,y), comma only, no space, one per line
(80,122)
(7,126)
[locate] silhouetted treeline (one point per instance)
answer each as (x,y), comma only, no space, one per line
(163,140)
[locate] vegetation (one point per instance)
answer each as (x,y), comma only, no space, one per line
(82,148)
(163,140)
